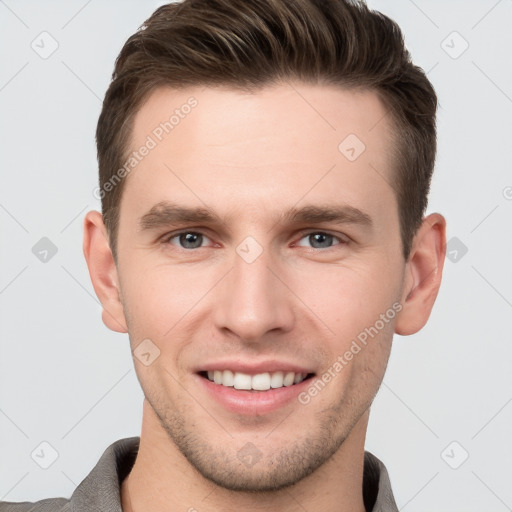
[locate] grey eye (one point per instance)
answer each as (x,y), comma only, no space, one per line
(188,240)
(320,240)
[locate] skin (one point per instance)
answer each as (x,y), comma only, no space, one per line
(252,157)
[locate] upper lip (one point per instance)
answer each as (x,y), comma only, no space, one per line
(253,368)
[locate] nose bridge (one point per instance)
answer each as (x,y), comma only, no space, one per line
(253,300)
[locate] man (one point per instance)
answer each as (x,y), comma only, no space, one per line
(264,172)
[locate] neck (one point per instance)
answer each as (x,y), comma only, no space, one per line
(162,479)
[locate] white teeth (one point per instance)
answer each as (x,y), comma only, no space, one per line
(242,381)
(259,382)
(276,380)
(228,379)
(288,379)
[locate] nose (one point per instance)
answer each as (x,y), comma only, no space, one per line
(254,299)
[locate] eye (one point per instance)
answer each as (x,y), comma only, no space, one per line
(186,239)
(194,240)
(321,239)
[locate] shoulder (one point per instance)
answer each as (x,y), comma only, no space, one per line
(100,489)
(47,505)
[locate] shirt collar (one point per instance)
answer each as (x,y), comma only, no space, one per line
(377,493)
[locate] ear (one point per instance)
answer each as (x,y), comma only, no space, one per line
(423,273)
(103,272)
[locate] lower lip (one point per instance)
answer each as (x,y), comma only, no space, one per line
(252,403)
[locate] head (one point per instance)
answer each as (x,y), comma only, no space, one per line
(252,45)
(303,138)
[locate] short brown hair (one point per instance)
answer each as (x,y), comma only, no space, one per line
(248,44)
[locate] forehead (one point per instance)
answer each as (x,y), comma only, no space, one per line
(223,115)
(279,144)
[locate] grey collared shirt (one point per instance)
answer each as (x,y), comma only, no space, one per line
(100,491)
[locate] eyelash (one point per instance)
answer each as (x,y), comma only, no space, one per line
(167,238)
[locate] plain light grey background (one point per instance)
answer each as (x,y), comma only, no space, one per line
(442,419)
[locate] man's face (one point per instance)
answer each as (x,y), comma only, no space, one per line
(258,292)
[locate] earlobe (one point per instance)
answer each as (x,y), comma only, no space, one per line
(103,272)
(423,275)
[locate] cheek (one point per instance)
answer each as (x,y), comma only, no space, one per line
(349,298)
(356,304)
(157,297)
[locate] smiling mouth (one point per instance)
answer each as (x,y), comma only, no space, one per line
(258,382)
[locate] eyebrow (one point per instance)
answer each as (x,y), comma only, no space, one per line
(166,213)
